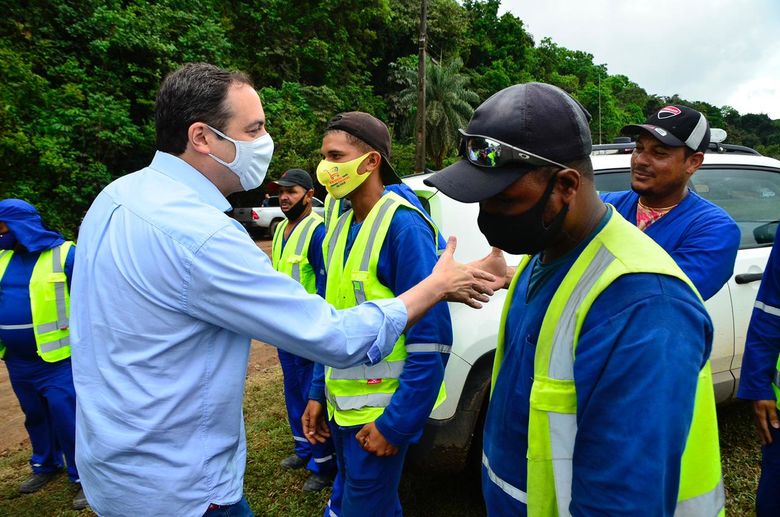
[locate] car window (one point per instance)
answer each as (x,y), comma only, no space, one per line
(750,196)
(613,181)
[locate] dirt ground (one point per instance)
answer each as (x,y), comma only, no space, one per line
(12,428)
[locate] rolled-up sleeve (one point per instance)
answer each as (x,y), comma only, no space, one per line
(230,283)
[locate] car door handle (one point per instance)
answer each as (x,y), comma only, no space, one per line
(746,278)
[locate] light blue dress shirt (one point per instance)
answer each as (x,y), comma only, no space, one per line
(167,292)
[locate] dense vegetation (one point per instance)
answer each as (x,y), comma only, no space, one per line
(79,79)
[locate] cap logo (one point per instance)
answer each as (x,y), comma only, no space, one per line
(668,112)
(659,131)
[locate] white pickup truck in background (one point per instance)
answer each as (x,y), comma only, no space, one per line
(262,220)
(744,183)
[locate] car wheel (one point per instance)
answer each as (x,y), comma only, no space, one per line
(272,227)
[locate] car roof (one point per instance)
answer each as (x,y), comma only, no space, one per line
(623,161)
(618,161)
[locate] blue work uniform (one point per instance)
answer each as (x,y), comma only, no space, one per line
(699,235)
(367,484)
(758,369)
(298,372)
(626,372)
(45,390)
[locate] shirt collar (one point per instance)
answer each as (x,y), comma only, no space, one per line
(181,171)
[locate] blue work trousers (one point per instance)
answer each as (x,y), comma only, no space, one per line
(297,381)
(48,401)
(768,496)
(365,484)
(240,509)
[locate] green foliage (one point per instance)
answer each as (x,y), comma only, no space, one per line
(80,78)
(448,106)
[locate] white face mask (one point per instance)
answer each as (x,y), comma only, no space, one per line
(251,161)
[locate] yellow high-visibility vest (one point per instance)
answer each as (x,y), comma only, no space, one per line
(618,249)
(360,394)
(293,260)
(49,302)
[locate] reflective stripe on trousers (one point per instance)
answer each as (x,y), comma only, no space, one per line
(511,490)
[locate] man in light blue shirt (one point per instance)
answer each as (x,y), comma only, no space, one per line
(167,292)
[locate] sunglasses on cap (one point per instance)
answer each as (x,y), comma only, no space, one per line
(484,151)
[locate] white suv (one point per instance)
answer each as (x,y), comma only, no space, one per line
(744,183)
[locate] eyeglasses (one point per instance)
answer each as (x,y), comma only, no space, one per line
(484,151)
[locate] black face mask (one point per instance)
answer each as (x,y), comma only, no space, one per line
(524,233)
(296,210)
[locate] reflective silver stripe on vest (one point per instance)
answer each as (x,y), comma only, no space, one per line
(563,427)
(383,370)
(59,299)
(335,237)
(305,231)
(428,347)
(709,504)
(511,490)
(347,402)
(774,311)
(330,208)
(16,327)
(777,378)
(54,345)
(357,285)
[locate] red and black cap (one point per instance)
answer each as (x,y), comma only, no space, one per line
(675,126)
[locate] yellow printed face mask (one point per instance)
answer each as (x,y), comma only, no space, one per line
(339,179)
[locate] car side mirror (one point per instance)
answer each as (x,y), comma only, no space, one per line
(766,233)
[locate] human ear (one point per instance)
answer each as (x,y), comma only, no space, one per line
(197,137)
(568,184)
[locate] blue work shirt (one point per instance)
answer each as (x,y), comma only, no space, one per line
(167,292)
(699,235)
(403,420)
(641,347)
(15,306)
(762,346)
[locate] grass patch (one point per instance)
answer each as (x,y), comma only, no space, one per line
(273,491)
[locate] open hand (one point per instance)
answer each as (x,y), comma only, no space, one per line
(460,282)
(495,264)
(372,441)
(765,413)
(315,427)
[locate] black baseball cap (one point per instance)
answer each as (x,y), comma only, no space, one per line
(374,133)
(675,126)
(536,117)
(295,177)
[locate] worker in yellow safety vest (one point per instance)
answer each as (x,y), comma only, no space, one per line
(602,400)
(297,252)
(375,412)
(36,265)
